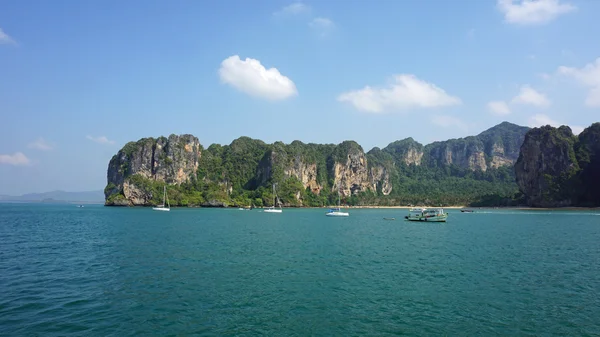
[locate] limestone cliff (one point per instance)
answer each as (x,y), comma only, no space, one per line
(555,168)
(465,153)
(493,148)
(172,161)
(343,167)
(242,172)
(547,161)
(407,151)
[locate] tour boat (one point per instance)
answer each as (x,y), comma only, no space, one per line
(429,215)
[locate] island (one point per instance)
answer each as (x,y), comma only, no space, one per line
(493,168)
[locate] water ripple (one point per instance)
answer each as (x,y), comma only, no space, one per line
(106,271)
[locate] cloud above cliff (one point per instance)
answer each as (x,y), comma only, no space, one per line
(538,120)
(404,92)
(5,38)
(100,140)
(588,76)
(530,96)
(533,12)
(499,108)
(526,96)
(447,121)
(15,159)
(251,77)
(41,144)
(322,26)
(292,9)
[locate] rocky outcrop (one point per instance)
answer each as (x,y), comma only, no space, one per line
(172,160)
(379,178)
(546,165)
(306,173)
(407,151)
(493,148)
(556,169)
(348,169)
(466,153)
(350,173)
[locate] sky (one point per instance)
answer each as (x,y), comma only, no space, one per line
(79,79)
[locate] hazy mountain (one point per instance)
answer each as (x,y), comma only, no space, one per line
(85,197)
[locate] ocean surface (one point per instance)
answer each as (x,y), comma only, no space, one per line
(99,271)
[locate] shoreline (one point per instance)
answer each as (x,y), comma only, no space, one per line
(454,207)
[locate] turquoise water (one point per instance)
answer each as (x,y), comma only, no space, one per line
(98,271)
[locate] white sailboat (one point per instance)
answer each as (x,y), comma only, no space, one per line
(337,211)
(272,209)
(162,207)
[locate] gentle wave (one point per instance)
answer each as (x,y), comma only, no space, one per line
(107,271)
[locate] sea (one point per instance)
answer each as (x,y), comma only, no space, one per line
(102,271)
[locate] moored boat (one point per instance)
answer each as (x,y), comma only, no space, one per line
(272,209)
(337,211)
(429,215)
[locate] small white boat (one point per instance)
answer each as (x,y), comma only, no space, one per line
(337,211)
(162,207)
(272,209)
(429,215)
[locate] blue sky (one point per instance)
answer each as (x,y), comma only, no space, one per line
(79,79)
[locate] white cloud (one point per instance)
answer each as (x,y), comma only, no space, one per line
(533,12)
(530,96)
(252,78)
(16,159)
(41,144)
(542,120)
(499,108)
(5,38)
(100,139)
(588,76)
(544,76)
(406,91)
(323,26)
(293,9)
(449,122)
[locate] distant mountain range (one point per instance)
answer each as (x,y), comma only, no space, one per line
(58,196)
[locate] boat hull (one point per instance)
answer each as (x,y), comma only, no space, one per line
(337,214)
(428,219)
(162,209)
(272,211)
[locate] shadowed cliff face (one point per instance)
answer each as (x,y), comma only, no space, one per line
(555,168)
(587,151)
(547,156)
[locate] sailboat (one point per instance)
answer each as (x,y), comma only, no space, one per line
(272,209)
(162,207)
(337,211)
